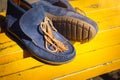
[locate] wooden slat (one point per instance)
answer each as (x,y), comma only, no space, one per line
(17,70)
(19,66)
(103,39)
(106,15)
(9,50)
(93,71)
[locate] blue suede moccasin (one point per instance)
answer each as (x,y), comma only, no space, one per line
(71,24)
(35,30)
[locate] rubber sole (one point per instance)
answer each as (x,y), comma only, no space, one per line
(16,38)
(72,28)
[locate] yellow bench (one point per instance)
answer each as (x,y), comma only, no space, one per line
(99,56)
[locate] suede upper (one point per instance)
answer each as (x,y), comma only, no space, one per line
(61,11)
(23,24)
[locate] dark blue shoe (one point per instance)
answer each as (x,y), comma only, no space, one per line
(36,32)
(61,3)
(73,25)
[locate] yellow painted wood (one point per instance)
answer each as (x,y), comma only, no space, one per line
(81,62)
(20,65)
(94,5)
(93,71)
(100,55)
(104,4)
(103,39)
(11,51)
(48,72)
(103,12)
(3,13)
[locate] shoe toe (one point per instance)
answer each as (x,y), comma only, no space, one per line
(36,46)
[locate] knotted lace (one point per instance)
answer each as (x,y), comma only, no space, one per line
(51,43)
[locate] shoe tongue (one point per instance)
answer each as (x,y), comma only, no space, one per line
(30,20)
(52,1)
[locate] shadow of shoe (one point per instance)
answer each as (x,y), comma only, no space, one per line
(2,24)
(26,52)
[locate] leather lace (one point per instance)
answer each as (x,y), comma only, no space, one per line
(51,43)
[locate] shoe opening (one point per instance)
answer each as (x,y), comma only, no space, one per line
(22,4)
(61,4)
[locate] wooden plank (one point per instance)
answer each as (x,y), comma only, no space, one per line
(93,71)
(20,65)
(106,18)
(3,13)
(17,70)
(105,14)
(9,50)
(103,39)
(95,4)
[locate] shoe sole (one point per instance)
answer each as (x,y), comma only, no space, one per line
(72,28)
(16,38)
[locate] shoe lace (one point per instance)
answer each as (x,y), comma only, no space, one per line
(50,40)
(78,10)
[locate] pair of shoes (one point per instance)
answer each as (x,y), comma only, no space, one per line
(71,24)
(30,23)
(34,29)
